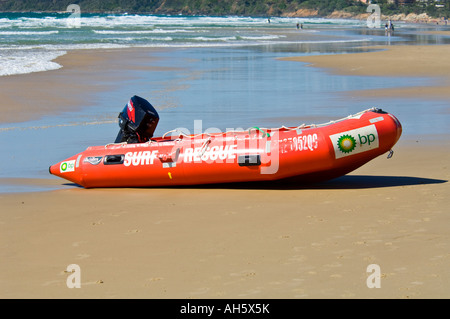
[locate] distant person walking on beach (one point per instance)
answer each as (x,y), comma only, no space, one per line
(389,27)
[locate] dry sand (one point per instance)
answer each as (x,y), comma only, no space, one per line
(238,242)
(313,242)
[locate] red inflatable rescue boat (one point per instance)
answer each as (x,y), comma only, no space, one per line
(303,153)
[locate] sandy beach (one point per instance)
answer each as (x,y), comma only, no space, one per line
(241,241)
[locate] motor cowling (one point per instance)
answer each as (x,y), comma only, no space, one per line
(137,121)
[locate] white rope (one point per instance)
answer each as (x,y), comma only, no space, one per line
(302,126)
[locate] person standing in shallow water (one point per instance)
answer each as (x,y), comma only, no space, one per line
(390,25)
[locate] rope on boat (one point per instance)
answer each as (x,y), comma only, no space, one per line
(263,130)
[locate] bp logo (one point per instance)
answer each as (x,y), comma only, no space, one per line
(346,143)
(355,141)
(68,166)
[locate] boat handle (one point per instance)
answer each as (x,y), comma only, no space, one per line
(205,146)
(391,153)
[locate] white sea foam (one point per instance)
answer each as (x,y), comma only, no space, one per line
(112,21)
(131,41)
(112,32)
(28,32)
(262,37)
(224,39)
(28,61)
(154,31)
(30,43)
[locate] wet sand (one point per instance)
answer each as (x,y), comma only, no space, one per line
(237,241)
(84,72)
(429,62)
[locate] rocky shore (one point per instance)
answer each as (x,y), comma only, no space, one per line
(411,18)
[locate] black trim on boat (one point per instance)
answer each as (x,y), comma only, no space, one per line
(114,159)
(249,160)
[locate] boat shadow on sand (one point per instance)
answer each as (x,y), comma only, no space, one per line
(367,181)
(343,182)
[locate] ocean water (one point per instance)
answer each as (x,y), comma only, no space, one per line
(229,78)
(29,42)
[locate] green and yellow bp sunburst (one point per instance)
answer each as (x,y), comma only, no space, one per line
(346,143)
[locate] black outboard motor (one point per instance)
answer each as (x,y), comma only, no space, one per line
(137,121)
